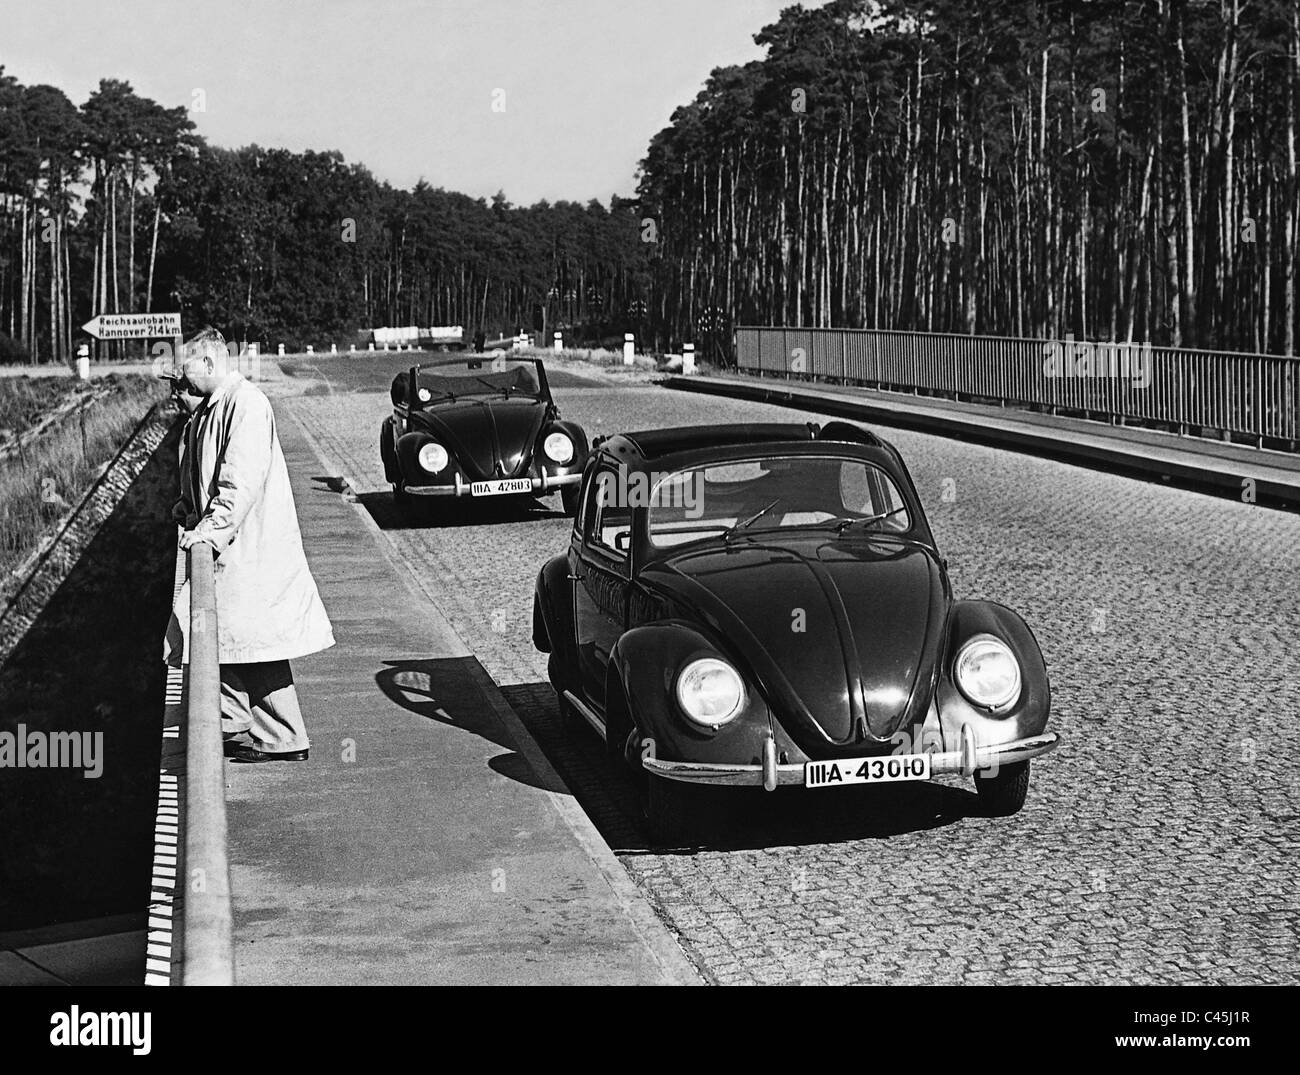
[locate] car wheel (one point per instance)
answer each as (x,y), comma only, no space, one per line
(400,496)
(1004,794)
(671,808)
(569,499)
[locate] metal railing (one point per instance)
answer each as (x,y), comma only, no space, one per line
(208,951)
(1229,393)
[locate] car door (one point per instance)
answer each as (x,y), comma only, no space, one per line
(599,573)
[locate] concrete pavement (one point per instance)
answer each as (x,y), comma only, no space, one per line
(101,951)
(1195,462)
(427,840)
(1158,845)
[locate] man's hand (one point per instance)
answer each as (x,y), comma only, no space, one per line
(190,538)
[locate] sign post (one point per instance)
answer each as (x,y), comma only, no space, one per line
(133,326)
(138,327)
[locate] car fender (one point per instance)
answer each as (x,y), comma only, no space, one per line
(1029,714)
(552,622)
(643,666)
(407,451)
(574,432)
(581,449)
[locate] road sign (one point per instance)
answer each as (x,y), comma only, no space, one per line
(133,326)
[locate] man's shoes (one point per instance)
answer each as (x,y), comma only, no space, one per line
(241,752)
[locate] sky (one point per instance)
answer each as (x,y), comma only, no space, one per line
(407,87)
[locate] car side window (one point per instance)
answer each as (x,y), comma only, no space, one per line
(611,522)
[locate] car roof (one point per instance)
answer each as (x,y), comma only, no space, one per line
(652,444)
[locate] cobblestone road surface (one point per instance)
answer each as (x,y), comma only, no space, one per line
(1159,843)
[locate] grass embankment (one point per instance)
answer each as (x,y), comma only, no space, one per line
(24,401)
(39,483)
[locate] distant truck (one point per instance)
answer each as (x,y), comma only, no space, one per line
(435,338)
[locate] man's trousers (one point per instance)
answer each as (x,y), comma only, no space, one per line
(258,702)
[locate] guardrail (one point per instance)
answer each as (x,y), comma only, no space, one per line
(208,951)
(1230,393)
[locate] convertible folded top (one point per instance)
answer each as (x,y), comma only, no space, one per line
(652,443)
(519,381)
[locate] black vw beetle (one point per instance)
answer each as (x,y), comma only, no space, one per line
(765,605)
(479,433)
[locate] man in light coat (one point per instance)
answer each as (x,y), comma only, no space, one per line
(236,497)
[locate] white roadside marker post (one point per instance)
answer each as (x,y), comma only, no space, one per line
(559,342)
(688,359)
(629,349)
(83,362)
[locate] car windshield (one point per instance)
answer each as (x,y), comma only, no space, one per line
(774,493)
(460,382)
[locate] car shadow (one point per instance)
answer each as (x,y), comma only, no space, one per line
(447,691)
(452,514)
(740,818)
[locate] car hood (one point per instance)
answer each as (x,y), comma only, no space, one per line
(489,438)
(842,632)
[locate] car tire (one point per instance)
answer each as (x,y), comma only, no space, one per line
(569,499)
(400,496)
(1004,794)
(670,808)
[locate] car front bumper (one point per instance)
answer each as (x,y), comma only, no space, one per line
(771,775)
(542,484)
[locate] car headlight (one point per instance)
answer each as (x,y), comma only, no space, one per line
(423,394)
(433,457)
(987,672)
(710,691)
(558,447)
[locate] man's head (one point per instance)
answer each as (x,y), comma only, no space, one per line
(202,365)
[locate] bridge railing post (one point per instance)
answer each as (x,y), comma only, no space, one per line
(208,954)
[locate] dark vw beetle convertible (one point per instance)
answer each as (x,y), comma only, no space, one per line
(765,605)
(479,433)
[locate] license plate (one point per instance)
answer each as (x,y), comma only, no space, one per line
(879,770)
(499,486)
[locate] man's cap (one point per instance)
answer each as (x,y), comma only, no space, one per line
(207,342)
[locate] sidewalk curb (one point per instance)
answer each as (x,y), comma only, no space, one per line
(666,952)
(1176,464)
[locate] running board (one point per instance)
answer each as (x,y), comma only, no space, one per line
(586,713)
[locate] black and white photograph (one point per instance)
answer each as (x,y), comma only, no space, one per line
(605,493)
